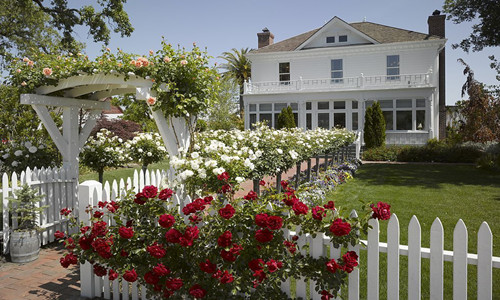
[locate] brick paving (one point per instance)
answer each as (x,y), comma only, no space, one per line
(44,278)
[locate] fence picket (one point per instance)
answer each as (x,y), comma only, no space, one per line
(285,285)
(50,209)
(393,258)
(354,275)
(460,244)
(12,191)
(141,180)
(57,200)
(436,260)
(147,177)
(316,250)
(5,212)
(300,283)
(135,182)
(373,260)
(484,262)
(414,259)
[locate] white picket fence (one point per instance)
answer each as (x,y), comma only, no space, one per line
(59,191)
(94,286)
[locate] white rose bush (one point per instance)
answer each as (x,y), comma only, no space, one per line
(146,148)
(103,151)
(17,156)
(252,154)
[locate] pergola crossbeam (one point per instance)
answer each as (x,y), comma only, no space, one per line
(34,99)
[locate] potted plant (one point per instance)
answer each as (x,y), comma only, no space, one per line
(25,239)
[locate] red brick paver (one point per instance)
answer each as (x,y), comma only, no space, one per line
(43,278)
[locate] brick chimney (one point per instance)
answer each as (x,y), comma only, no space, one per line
(436,27)
(265,38)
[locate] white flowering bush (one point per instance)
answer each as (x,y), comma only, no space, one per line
(146,148)
(103,151)
(17,156)
(252,154)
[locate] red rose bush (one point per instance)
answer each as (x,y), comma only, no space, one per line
(217,248)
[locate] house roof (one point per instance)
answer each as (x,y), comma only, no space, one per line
(113,110)
(381,33)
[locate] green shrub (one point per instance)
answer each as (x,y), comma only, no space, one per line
(285,119)
(374,129)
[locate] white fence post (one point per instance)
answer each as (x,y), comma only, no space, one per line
(484,263)
(89,193)
(354,276)
(393,258)
(460,261)
(436,260)
(373,264)
(414,259)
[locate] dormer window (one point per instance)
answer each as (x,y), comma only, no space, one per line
(342,38)
(330,39)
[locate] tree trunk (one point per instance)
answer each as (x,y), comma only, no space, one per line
(101,175)
(144,168)
(242,105)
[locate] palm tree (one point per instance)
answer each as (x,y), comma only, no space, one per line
(238,67)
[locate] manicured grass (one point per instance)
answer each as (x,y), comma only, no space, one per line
(117,174)
(450,192)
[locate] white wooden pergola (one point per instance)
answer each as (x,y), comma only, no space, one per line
(87,92)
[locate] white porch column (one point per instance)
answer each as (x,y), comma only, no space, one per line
(302,114)
(246,119)
(429,111)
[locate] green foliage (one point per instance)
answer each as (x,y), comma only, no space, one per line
(286,119)
(24,207)
(17,156)
(374,129)
(146,148)
(223,112)
(433,151)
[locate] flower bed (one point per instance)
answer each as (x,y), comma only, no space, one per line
(217,248)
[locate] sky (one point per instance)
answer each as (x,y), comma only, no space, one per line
(220,25)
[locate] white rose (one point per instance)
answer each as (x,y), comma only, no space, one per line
(14,163)
(18,153)
(140,150)
(279,151)
(149,154)
(195,155)
(239,179)
(218,171)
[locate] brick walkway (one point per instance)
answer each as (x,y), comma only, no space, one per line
(46,279)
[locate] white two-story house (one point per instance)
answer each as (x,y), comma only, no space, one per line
(330,75)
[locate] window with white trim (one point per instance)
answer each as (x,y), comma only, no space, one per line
(284,72)
(269,112)
(392,67)
(337,71)
(403,114)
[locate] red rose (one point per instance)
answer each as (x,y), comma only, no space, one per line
(318,213)
(150,191)
(235,250)
(250,196)
(350,261)
(130,275)
(112,275)
(102,204)
(174,283)
(84,229)
(126,232)
(165,194)
(256,264)
(100,270)
(300,208)
(112,206)
(291,246)
(197,291)
(156,250)
(325,295)
(264,235)
(208,267)
(59,235)
(166,221)
(330,205)
(332,266)
(226,188)
(69,243)
(193,218)
(262,183)
(161,270)
(274,222)
(85,242)
(98,214)
(191,232)
(261,220)
(189,209)
(140,198)
(381,211)
(123,253)
(227,212)
(69,259)
(290,198)
(340,228)
(227,255)
(65,211)
(223,177)
(225,239)
(173,236)
(208,200)
(151,278)
(273,266)
(99,228)
(284,184)
(226,277)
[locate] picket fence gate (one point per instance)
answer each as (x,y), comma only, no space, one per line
(94,286)
(58,190)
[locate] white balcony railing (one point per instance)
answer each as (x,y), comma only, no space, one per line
(338,84)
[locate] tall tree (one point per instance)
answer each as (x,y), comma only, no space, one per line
(238,67)
(34,25)
(481,112)
(374,129)
(223,114)
(486,33)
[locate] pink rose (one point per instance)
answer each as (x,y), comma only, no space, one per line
(151,101)
(47,71)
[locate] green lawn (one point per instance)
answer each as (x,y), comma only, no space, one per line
(450,192)
(117,174)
